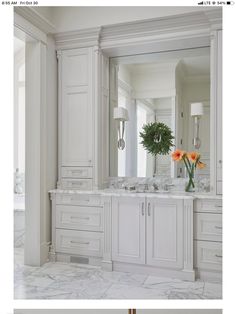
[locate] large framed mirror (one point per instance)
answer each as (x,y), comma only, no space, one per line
(159,87)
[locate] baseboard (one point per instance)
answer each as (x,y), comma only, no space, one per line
(209,276)
(188,275)
(44,257)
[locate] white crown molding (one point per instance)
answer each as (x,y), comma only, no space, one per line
(24,28)
(159,34)
(215,18)
(77,39)
(35,18)
(177,27)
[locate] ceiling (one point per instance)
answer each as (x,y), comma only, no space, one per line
(192,66)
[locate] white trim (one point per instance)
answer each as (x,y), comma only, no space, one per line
(29,29)
(78,39)
(31,15)
(156,34)
(213,104)
(183,274)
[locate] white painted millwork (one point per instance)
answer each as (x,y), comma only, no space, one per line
(77,226)
(208,227)
(208,205)
(79,242)
(128,229)
(150,232)
(165,235)
(80,184)
(77,118)
(77,172)
(208,230)
(208,255)
(165,239)
(79,217)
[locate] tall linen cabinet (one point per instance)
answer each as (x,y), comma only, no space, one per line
(83,118)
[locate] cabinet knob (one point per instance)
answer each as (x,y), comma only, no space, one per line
(220,161)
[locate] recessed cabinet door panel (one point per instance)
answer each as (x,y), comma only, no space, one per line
(76,108)
(128,230)
(76,130)
(75,67)
(165,233)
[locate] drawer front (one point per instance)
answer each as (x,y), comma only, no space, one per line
(79,217)
(77,184)
(77,172)
(78,199)
(208,227)
(208,255)
(208,205)
(79,242)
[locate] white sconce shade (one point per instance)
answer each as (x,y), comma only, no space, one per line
(196,109)
(120,114)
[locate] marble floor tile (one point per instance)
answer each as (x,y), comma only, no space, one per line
(122,291)
(73,281)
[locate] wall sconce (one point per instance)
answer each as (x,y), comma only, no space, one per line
(120,114)
(196,113)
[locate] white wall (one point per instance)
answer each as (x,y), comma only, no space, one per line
(73,18)
(154,80)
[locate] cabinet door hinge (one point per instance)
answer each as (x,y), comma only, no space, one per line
(182,114)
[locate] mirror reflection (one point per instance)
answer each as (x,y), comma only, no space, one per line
(159,87)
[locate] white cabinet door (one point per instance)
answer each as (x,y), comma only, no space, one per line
(128,229)
(165,233)
(76,108)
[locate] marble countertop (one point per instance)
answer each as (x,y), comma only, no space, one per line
(121,192)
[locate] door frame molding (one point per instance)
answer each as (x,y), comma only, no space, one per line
(36,247)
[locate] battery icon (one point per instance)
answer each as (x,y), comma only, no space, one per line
(230,2)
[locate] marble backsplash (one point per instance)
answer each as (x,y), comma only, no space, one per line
(162,183)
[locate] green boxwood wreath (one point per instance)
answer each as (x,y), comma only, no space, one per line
(157,138)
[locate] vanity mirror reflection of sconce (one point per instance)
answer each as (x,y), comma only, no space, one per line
(120,114)
(196,113)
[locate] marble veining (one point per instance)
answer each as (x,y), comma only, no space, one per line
(122,192)
(72,281)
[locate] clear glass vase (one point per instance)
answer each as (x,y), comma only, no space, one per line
(190,185)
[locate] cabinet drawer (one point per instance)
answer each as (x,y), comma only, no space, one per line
(208,227)
(78,184)
(79,217)
(77,172)
(208,255)
(79,242)
(78,199)
(208,205)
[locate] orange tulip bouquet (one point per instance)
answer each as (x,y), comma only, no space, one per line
(191,161)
